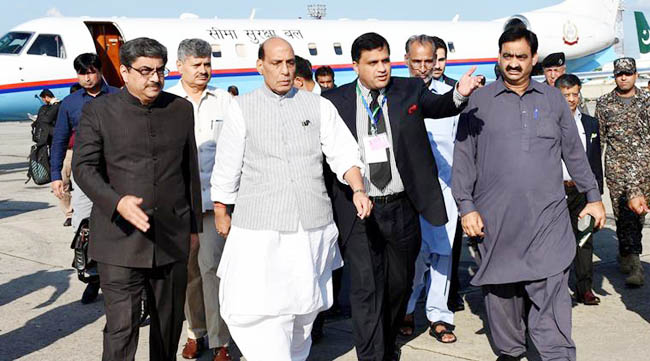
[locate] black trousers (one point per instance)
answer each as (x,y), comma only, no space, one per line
(583,263)
(122,288)
(454,283)
(380,255)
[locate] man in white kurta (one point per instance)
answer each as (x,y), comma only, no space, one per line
(281,249)
(437,241)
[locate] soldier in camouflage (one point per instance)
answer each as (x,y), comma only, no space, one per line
(624,120)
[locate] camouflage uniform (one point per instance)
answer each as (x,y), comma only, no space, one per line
(625,129)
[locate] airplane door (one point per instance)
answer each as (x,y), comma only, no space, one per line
(108,41)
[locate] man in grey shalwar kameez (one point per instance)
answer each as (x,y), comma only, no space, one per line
(507,181)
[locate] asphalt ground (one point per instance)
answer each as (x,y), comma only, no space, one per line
(42,319)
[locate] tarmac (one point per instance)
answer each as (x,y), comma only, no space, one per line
(42,319)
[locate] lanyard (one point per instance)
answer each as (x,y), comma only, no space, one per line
(371,114)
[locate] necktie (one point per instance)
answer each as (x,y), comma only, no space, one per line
(379,172)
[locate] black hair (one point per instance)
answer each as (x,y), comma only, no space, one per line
(514,33)
(367,42)
(324,71)
(303,68)
(142,47)
(260,52)
(233,90)
(567,81)
(86,63)
(439,44)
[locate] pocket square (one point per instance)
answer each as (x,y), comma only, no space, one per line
(413,108)
(593,136)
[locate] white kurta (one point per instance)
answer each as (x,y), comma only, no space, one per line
(442,133)
(278,273)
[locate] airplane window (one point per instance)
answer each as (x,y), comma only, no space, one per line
(240,49)
(49,45)
(452,48)
(312,49)
(338,49)
(216,50)
(13,42)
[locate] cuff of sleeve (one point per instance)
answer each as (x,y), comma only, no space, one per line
(593,195)
(465,207)
(357,163)
(217,195)
(459,99)
(56,176)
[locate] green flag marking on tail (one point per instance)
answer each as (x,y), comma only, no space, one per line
(643,32)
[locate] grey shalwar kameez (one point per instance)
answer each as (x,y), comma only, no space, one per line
(507,166)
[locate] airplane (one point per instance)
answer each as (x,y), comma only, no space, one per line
(38,54)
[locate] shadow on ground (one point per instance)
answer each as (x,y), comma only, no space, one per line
(10,208)
(25,285)
(13,167)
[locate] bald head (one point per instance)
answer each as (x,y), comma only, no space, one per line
(274,41)
(277,64)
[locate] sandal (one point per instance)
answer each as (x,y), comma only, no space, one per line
(440,335)
(408,325)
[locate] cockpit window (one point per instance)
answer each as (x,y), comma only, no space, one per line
(47,44)
(13,42)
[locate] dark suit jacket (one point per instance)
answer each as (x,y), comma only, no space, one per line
(593,148)
(125,148)
(409,102)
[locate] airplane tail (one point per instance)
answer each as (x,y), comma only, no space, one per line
(643,32)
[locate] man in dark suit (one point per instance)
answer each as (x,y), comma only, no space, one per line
(135,158)
(386,116)
(570,86)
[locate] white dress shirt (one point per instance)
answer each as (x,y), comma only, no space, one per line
(209,114)
(581,132)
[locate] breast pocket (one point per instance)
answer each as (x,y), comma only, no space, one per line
(547,124)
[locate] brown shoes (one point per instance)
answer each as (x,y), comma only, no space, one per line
(221,354)
(193,348)
(589,299)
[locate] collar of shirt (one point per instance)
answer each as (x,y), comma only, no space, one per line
(439,87)
(179,90)
(103,90)
(501,88)
(365,92)
(130,98)
(269,93)
(577,115)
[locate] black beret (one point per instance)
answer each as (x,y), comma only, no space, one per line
(555,59)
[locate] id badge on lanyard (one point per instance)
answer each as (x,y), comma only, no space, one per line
(374,145)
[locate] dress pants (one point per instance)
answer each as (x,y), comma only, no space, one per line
(66,173)
(543,305)
(380,254)
(209,256)
(122,288)
(194,307)
(273,338)
(456,250)
(583,263)
(81,205)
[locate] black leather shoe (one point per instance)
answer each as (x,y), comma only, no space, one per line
(90,293)
(68,222)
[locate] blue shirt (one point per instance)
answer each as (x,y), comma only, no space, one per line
(66,123)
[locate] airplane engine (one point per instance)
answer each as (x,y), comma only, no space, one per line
(517,20)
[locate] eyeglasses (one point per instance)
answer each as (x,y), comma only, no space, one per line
(147,72)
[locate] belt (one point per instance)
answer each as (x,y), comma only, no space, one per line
(388,198)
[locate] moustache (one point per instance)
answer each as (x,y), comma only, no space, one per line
(515,68)
(154,84)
